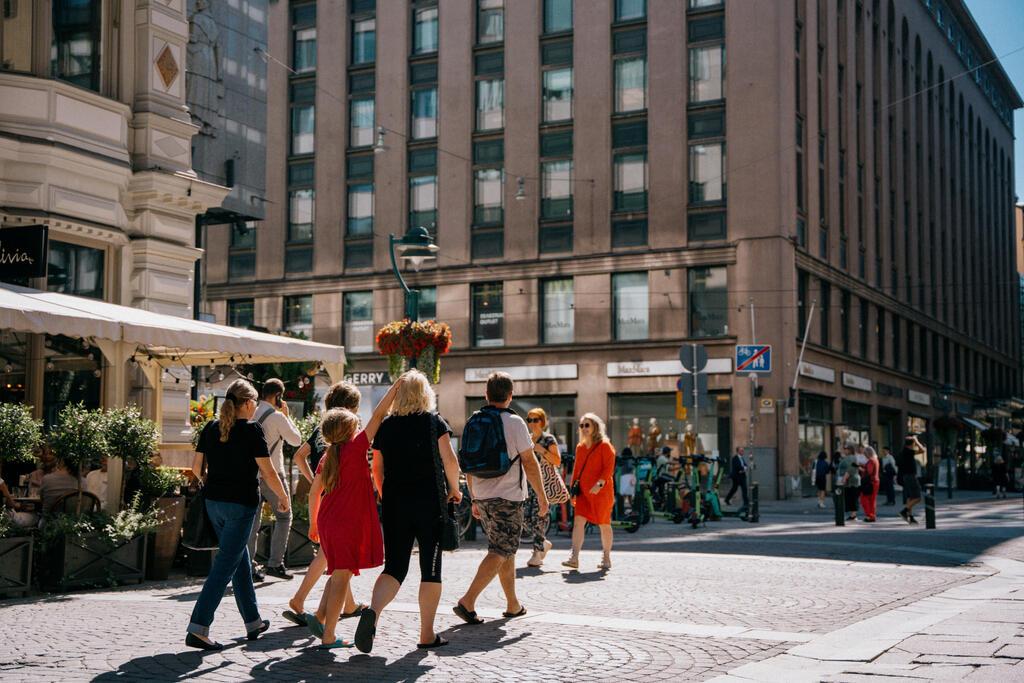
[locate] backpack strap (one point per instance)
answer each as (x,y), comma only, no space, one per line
(262,418)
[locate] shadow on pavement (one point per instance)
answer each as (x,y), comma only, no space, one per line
(168,666)
(311,663)
(576,576)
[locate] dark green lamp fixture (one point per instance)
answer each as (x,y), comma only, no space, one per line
(414,248)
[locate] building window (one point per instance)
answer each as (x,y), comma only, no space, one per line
(826,300)
(630,84)
(76,270)
(630,182)
(709,305)
(304,50)
(801,303)
(364,39)
(557,15)
(297,317)
(556,189)
(75,50)
(360,210)
(557,95)
(301,210)
(488,193)
(630,305)
(864,329)
(844,320)
(630,9)
(490,21)
(707,73)
(303,129)
(424,113)
(428,303)
(360,130)
(707,173)
(701,4)
(241,313)
(423,202)
(490,104)
(241,266)
(556,308)
(359,332)
(16,55)
(488,318)
(424,36)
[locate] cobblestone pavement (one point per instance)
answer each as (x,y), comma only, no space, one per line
(792,598)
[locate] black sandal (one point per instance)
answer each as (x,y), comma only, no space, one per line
(513,615)
(354,613)
(438,642)
(366,630)
(467,616)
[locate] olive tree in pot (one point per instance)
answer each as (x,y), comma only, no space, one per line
(19,435)
(79,439)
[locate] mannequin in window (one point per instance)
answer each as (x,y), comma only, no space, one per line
(653,436)
(636,436)
(689,440)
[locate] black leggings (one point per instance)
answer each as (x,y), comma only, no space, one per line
(402,526)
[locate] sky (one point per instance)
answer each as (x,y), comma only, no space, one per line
(1002,22)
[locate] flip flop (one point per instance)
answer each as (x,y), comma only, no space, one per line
(297,619)
(354,613)
(314,626)
(330,646)
(366,630)
(467,616)
(438,642)
(510,615)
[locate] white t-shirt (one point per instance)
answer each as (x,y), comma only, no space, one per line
(508,486)
(278,428)
(96,483)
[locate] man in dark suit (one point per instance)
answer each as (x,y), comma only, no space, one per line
(739,476)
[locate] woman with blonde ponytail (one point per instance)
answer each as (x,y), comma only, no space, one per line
(232,450)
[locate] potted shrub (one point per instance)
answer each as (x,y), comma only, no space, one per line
(19,433)
(95,549)
(79,439)
(162,486)
(15,558)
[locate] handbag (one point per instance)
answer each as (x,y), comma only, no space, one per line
(554,487)
(197,532)
(575,490)
(449,537)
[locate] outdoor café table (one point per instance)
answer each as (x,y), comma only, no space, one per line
(29,504)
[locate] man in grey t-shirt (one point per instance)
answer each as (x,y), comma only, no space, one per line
(498,504)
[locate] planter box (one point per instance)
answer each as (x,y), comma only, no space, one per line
(164,543)
(90,562)
(15,566)
(263,542)
(300,551)
(198,562)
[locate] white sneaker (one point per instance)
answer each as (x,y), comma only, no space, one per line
(536,560)
(547,547)
(821,505)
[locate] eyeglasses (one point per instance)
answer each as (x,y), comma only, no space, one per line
(533,419)
(585,425)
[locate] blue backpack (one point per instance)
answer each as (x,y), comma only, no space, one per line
(483,452)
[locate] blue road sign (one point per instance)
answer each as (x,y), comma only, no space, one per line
(753,358)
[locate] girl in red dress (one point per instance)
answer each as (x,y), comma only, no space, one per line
(345,521)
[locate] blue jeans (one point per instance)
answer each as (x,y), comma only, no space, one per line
(232,521)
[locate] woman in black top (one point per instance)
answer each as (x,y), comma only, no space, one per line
(233,450)
(405,477)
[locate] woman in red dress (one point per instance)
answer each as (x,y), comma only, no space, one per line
(593,469)
(345,521)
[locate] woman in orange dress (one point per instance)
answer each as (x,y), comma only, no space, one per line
(593,469)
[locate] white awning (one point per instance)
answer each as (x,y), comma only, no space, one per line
(163,340)
(1011,440)
(981,426)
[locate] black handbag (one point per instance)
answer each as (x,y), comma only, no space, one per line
(197,532)
(449,537)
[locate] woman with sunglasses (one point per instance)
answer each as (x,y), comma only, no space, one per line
(594,491)
(546,448)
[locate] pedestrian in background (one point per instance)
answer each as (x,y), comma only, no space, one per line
(592,475)
(906,467)
(869,484)
(233,450)
(545,446)
(849,478)
(820,474)
(738,472)
(999,477)
(888,476)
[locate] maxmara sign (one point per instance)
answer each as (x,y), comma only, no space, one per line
(664,368)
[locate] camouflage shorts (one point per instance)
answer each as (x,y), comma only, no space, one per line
(502,521)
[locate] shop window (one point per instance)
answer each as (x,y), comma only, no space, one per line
(241,313)
(424,36)
(297,315)
(557,315)
(707,73)
(424,113)
(630,84)
(359,332)
(487,314)
(70,376)
(711,425)
(707,173)
(631,306)
(76,270)
(556,189)
(490,104)
(75,50)
(709,304)
(360,210)
(557,15)
(557,95)
(490,21)
(364,39)
(361,116)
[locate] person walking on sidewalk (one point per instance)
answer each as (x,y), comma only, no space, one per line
(869,484)
(907,469)
(406,476)
(339,395)
(594,493)
(849,478)
(999,477)
(272,415)
(820,474)
(233,451)
(888,478)
(546,448)
(498,504)
(738,472)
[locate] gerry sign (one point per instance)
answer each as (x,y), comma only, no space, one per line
(23,252)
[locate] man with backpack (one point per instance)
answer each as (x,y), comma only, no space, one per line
(272,415)
(497,456)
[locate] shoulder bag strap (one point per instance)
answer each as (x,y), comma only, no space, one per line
(263,419)
(438,467)
(587,461)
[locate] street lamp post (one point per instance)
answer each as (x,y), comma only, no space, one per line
(945,391)
(414,248)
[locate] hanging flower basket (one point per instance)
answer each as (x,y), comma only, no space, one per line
(412,343)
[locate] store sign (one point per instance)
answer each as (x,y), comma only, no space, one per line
(665,368)
(23,252)
(368,378)
(918,397)
(818,372)
(525,372)
(856,382)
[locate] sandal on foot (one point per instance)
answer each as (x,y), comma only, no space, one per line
(466,615)
(354,613)
(297,619)
(438,642)
(513,615)
(314,626)
(255,633)
(330,646)
(366,630)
